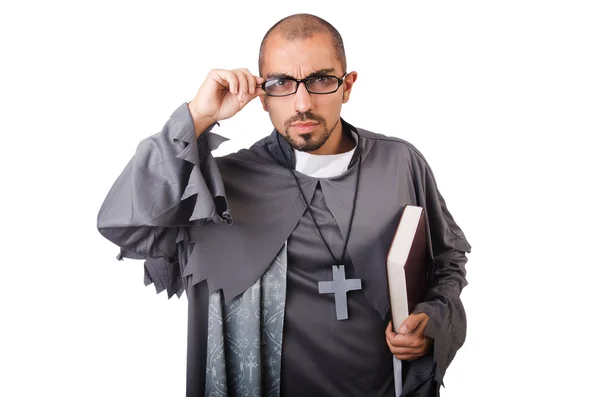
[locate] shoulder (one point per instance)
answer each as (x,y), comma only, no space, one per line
(387,145)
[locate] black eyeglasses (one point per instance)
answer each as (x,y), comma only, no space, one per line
(284,86)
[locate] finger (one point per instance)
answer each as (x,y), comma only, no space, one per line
(408,324)
(246,98)
(412,339)
(398,340)
(243,82)
(252,83)
(416,345)
(408,341)
(234,84)
(407,357)
(411,322)
(223,79)
(405,350)
(259,82)
(421,327)
(257,85)
(231,80)
(259,91)
(389,333)
(394,349)
(408,353)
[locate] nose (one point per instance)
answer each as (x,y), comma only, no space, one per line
(303,99)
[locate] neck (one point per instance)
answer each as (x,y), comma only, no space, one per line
(337,143)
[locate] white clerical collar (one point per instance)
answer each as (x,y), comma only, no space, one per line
(324,166)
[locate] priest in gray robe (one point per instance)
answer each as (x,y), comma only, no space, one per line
(281,248)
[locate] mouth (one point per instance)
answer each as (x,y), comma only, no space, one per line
(305,127)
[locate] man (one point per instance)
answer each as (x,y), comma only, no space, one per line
(256,237)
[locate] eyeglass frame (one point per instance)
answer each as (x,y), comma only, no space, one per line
(340,81)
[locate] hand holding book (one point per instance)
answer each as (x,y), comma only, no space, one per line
(410,342)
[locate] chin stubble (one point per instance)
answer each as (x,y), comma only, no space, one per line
(310,141)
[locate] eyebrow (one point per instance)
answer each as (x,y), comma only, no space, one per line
(320,72)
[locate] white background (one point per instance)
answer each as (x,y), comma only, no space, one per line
(502,98)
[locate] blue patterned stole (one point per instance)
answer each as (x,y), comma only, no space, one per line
(245,337)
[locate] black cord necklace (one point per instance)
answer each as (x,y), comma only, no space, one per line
(339,263)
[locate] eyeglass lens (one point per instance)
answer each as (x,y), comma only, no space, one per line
(317,85)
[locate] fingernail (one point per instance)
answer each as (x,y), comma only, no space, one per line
(403,329)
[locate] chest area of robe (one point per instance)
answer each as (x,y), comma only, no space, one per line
(322,355)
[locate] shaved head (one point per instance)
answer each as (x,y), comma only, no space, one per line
(303,26)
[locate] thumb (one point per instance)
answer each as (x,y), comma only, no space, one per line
(410,323)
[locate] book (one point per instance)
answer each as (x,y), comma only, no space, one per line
(407,264)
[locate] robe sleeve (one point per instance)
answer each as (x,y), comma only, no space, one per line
(171,182)
(448,247)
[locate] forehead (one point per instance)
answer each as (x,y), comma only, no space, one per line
(300,57)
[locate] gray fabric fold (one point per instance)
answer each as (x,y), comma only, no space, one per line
(163,188)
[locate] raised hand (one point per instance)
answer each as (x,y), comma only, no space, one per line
(222,95)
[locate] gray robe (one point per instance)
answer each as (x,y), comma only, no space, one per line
(217,228)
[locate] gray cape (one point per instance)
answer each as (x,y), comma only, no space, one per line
(215,226)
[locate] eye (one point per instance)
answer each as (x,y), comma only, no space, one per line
(278,82)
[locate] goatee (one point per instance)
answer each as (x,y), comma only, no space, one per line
(309,142)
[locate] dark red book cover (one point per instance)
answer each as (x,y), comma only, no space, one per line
(407,264)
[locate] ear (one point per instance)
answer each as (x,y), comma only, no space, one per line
(348,83)
(264,102)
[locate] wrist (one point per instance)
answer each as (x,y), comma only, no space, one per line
(201,122)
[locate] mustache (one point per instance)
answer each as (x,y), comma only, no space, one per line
(303,117)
